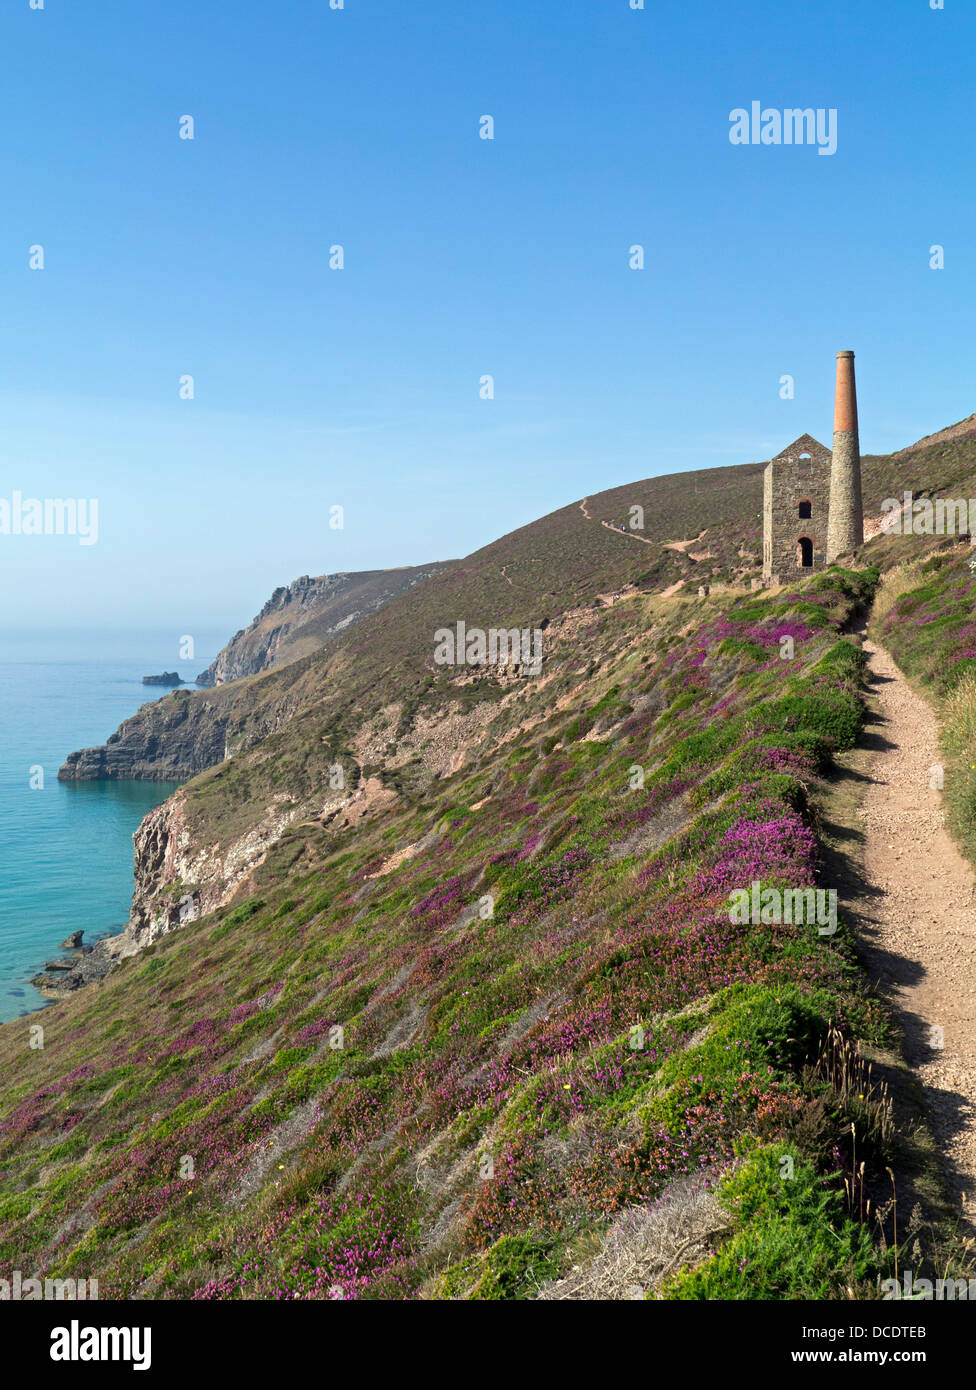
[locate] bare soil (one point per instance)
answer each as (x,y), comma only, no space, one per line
(917,916)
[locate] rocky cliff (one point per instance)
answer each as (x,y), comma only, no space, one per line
(301,617)
(166,740)
(172,739)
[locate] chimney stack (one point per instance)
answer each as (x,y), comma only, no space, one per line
(845,521)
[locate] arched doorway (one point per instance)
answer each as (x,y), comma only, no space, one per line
(804,553)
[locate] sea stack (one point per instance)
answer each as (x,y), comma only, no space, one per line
(845,523)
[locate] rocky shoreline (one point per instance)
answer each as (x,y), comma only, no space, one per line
(167,740)
(65,974)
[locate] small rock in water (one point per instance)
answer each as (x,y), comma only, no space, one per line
(167,678)
(72,942)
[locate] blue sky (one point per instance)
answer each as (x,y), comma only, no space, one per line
(463,257)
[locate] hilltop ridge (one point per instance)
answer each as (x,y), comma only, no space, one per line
(574,553)
(302,616)
(372,698)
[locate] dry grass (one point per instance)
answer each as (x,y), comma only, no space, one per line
(959,717)
(894,584)
(647,1244)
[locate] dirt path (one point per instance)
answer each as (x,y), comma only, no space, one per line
(918,917)
(619,530)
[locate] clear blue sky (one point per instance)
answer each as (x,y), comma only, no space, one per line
(462,257)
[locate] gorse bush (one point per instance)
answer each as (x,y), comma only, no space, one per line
(793,1238)
(829,712)
(844,658)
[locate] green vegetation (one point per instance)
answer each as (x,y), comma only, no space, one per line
(442,1045)
(793,1237)
(442,1072)
(926,619)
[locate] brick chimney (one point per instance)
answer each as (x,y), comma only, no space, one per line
(845,522)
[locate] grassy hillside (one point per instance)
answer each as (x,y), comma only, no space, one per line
(464,1042)
(698,527)
(926,617)
(562,563)
(546,1013)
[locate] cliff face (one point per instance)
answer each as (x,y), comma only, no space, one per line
(176,881)
(166,740)
(173,739)
(301,617)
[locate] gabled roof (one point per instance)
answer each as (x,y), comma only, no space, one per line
(806,444)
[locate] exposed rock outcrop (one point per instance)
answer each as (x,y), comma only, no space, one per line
(177,880)
(301,617)
(167,740)
(166,678)
(172,739)
(92,964)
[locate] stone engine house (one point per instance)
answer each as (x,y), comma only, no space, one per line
(796,501)
(812,507)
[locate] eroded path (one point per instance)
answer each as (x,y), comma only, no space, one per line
(918,917)
(619,530)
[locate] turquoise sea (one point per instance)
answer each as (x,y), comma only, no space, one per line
(66,848)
